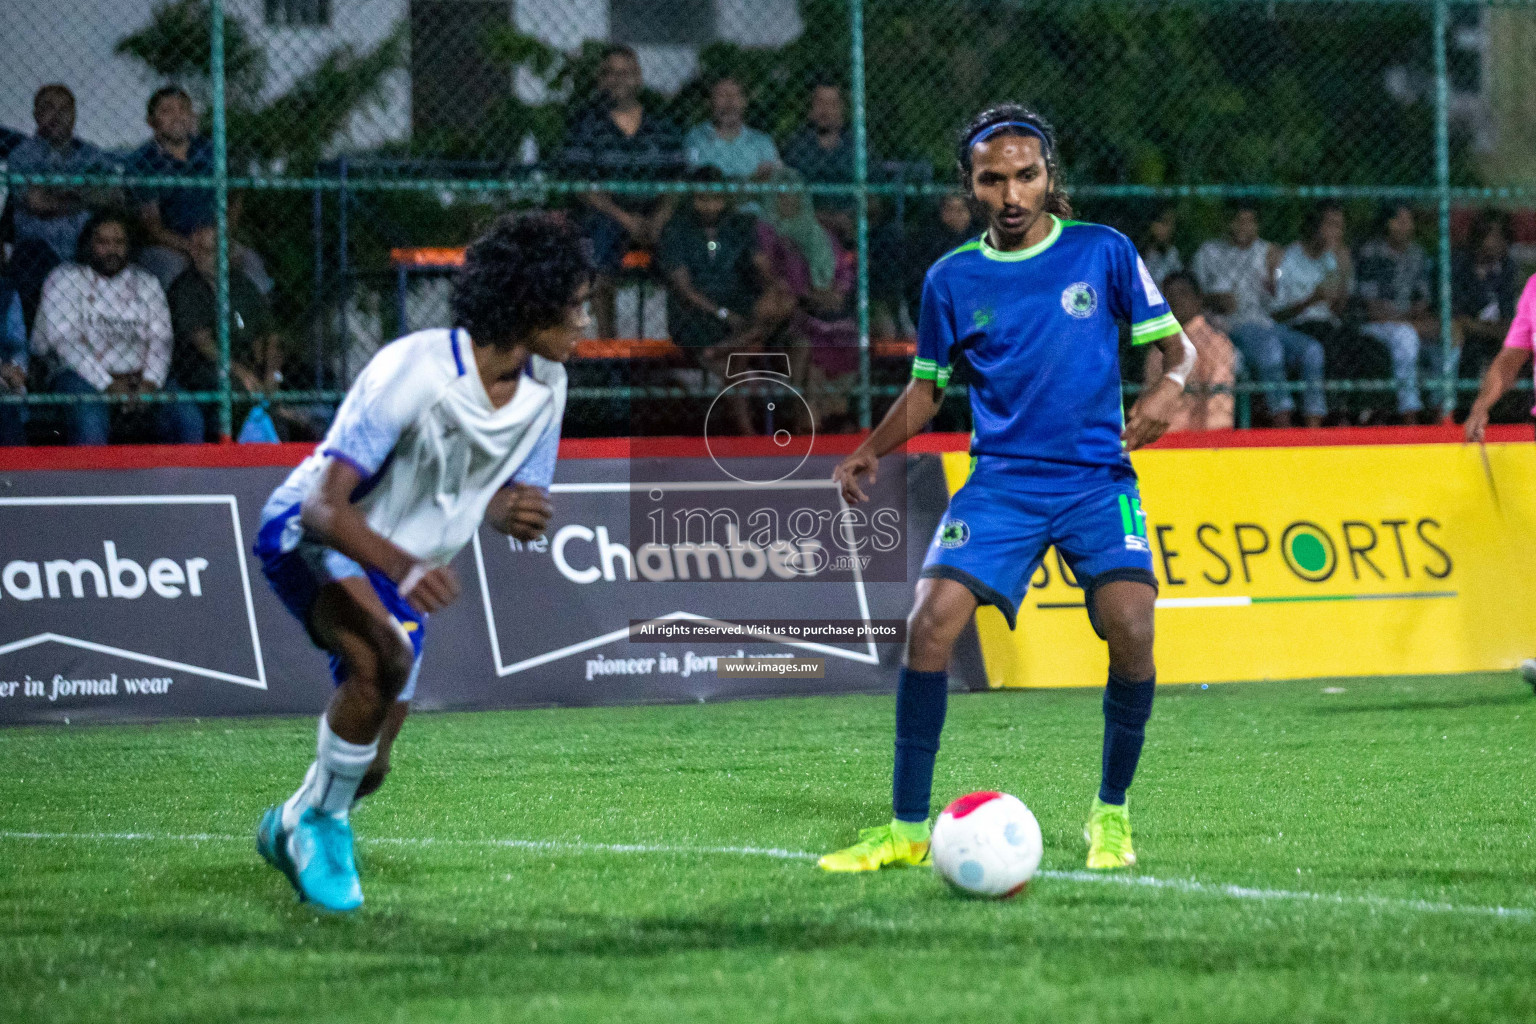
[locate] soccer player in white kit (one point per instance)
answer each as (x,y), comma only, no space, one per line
(443,430)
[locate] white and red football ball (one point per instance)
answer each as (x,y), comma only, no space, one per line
(987,844)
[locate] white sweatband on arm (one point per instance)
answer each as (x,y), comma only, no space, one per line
(1180,373)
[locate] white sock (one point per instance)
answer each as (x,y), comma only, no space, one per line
(333,778)
(294,806)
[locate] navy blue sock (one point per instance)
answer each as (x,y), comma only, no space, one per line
(921,699)
(1127,706)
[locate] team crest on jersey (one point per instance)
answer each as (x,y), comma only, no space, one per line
(1080,300)
(954,533)
(982,318)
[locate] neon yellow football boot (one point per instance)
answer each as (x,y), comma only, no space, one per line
(900,844)
(1109,837)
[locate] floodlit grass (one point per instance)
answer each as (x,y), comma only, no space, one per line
(1373,832)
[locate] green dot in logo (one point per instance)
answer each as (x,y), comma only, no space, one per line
(1309,552)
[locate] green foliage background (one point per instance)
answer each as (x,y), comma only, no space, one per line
(1149,93)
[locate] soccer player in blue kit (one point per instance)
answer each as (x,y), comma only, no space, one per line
(1032,306)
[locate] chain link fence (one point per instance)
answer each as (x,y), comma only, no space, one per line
(217,211)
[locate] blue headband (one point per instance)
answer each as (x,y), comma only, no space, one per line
(991,130)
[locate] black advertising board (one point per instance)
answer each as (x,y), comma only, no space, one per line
(130,594)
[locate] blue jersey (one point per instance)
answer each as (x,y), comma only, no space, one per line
(1039,330)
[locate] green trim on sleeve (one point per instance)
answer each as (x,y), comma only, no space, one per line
(1155,329)
(927,369)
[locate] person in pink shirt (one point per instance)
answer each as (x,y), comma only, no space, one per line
(1518,344)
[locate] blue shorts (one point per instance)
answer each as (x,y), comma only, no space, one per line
(296,569)
(995,534)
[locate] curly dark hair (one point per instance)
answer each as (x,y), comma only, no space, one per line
(1007,119)
(520,276)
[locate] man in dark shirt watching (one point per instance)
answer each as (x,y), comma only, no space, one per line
(706,255)
(617,139)
(169,216)
(715,300)
(255,353)
(822,151)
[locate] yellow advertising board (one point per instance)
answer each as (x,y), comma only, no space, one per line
(1285,563)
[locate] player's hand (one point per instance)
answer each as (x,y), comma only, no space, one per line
(850,469)
(429,588)
(1477,424)
(1152,414)
(526,512)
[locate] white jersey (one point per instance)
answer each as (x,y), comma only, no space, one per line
(420,428)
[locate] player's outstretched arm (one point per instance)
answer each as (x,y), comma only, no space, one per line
(1155,409)
(521,511)
(1497,380)
(328,512)
(910,414)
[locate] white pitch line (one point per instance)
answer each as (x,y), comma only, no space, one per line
(1184,885)
(1242,892)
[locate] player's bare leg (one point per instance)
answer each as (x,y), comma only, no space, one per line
(1124,611)
(938,617)
(310,838)
(351,622)
(942,609)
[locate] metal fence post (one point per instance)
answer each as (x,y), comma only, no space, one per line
(221,212)
(861,180)
(1443,189)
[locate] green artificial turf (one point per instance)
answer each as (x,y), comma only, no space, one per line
(1371,832)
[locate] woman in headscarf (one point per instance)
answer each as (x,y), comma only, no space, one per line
(797,255)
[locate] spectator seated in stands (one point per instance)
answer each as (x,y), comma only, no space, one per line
(255,352)
(169,216)
(1208,390)
(799,257)
(107,325)
(1393,278)
(13,364)
(913,251)
(49,217)
(615,138)
(1314,278)
(715,304)
(725,141)
(822,151)
(1157,249)
(1485,287)
(708,255)
(1235,273)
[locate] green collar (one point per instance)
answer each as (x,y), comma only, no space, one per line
(1023,254)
